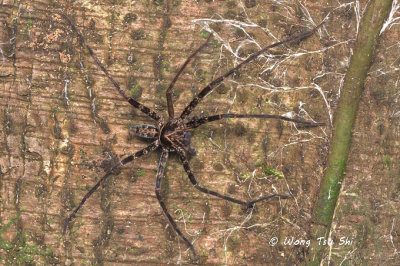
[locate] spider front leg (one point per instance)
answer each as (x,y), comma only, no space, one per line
(169,90)
(197,99)
(196,122)
(160,175)
(124,161)
(193,180)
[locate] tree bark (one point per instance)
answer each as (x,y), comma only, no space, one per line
(63,124)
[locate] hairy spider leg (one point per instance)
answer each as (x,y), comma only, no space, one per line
(198,121)
(197,99)
(146,110)
(160,175)
(154,145)
(250,204)
(193,180)
(169,90)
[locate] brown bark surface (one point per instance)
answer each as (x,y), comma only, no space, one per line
(63,123)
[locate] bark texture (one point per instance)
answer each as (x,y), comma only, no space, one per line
(63,124)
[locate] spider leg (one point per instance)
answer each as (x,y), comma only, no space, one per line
(132,101)
(193,180)
(124,161)
(198,121)
(169,90)
(218,80)
(160,175)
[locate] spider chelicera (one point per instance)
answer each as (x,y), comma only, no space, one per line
(173,134)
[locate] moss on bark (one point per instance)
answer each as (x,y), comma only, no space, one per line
(375,14)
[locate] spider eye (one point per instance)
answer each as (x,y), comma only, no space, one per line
(186,138)
(186,143)
(191,151)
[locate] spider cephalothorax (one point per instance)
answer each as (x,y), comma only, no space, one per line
(174,134)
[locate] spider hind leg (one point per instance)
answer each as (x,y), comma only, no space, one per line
(160,176)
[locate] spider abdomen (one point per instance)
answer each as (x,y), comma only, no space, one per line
(145,131)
